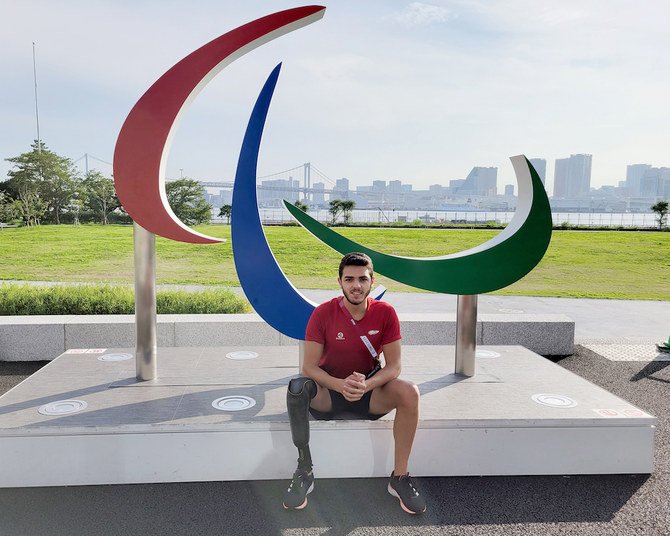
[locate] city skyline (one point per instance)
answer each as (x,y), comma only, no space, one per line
(540,165)
(418,91)
(575,170)
(643,186)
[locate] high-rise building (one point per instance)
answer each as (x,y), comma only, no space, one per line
(378,186)
(395,186)
(272,192)
(655,183)
(341,190)
(572,176)
(634,174)
(540,165)
(455,184)
(481,181)
(561,172)
(318,198)
(509,190)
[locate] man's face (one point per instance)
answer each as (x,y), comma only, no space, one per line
(356,283)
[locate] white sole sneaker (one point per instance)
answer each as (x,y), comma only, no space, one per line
(402,504)
(311,488)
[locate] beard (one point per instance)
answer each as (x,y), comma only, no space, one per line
(353,301)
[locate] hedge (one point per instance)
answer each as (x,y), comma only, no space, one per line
(17,299)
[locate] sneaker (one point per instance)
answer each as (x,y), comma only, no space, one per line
(296,494)
(403,488)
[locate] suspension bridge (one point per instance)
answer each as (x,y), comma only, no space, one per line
(303,181)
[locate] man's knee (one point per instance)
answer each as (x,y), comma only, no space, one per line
(406,393)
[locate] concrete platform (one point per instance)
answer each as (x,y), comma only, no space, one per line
(520,415)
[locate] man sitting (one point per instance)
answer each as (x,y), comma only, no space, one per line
(342,375)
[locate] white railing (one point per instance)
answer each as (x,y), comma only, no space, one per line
(587,219)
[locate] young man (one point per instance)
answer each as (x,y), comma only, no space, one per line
(342,345)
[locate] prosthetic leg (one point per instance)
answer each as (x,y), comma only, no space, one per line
(298,397)
(300,393)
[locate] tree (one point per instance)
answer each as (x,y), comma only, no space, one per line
(302,206)
(99,195)
(226,211)
(335,209)
(30,207)
(343,206)
(187,199)
(41,178)
(56,192)
(661,210)
(8,208)
(75,206)
(347,207)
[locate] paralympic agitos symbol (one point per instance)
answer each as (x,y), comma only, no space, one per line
(139,173)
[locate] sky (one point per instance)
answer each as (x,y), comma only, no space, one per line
(378,89)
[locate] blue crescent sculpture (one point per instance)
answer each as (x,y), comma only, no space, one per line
(268,290)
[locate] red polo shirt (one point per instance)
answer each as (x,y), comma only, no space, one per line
(343,350)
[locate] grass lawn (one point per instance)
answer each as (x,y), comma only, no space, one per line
(593,264)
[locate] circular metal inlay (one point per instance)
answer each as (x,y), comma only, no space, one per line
(633,413)
(511,311)
(554,401)
(233,403)
(242,354)
(62,407)
(488,354)
(115,357)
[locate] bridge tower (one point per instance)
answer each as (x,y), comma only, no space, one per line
(307,170)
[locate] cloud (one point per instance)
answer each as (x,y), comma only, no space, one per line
(420,14)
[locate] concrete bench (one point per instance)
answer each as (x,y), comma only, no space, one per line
(37,338)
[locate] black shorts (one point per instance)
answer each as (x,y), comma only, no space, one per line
(344,410)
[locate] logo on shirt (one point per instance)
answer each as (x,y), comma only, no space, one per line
(373,332)
(340,336)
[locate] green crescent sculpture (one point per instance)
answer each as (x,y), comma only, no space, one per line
(495,264)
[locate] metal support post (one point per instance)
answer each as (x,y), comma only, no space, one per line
(145,303)
(466,334)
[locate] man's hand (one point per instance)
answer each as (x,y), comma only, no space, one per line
(354,387)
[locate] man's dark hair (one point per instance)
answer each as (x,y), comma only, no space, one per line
(356,259)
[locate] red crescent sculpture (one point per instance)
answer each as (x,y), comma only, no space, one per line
(143,144)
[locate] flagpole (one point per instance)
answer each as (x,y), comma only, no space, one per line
(37,113)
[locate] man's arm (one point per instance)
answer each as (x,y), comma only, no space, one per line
(356,385)
(390,371)
(311,369)
(350,388)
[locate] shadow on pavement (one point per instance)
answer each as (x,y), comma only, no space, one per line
(336,507)
(21,368)
(344,505)
(646,373)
